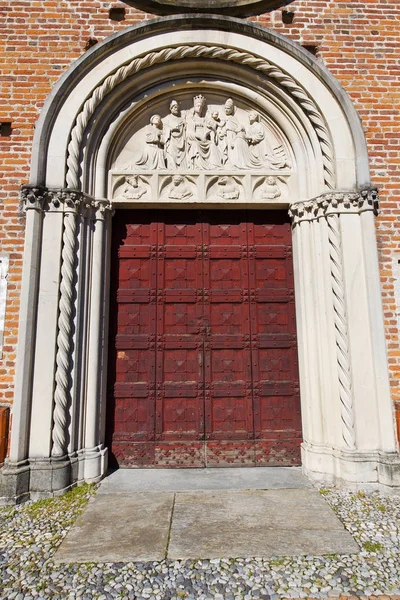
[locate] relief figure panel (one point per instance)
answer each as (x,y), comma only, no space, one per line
(178,147)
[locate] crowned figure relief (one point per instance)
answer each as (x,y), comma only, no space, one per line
(198,135)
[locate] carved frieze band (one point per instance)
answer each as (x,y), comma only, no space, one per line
(40,197)
(211,187)
(247,59)
(334,203)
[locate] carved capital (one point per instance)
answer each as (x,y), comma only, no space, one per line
(64,200)
(335,203)
(32,197)
(100,208)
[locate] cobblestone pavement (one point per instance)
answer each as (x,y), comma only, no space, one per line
(31,533)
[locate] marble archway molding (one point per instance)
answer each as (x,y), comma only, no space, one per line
(198,52)
(59,409)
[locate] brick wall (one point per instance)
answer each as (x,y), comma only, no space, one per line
(358,41)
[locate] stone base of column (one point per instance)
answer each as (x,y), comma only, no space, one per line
(352,468)
(14,482)
(49,476)
(95,463)
(39,478)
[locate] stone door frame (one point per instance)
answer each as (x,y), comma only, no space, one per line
(59,407)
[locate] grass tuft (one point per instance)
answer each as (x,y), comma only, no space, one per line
(373,546)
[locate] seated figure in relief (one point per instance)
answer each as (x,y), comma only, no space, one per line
(152,156)
(198,135)
(179,190)
(174,136)
(261,153)
(132,189)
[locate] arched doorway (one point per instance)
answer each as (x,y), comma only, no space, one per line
(203,367)
(89,124)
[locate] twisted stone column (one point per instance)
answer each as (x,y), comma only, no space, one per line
(62,390)
(341,335)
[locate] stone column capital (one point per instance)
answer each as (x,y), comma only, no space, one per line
(335,203)
(101,206)
(51,200)
(32,197)
(64,200)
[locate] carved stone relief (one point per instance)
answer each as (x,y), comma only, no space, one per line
(131,188)
(175,155)
(177,188)
(224,189)
(269,188)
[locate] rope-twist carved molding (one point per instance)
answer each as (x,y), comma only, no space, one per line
(63,357)
(199,51)
(335,203)
(341,334)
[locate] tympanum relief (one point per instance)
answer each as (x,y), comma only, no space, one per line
(212,152)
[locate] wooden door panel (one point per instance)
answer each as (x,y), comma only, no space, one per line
(229,405)
(179,380)
(226,318)
(204,368)
(279,416)
(181,316)
(274,318)
(277,425)
(134,346)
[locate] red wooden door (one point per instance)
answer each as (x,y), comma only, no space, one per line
(203,356)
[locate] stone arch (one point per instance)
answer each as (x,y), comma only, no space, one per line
(296,133)
(59,416)
(98,75)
